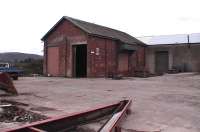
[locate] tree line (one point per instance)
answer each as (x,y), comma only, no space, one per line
(30,66)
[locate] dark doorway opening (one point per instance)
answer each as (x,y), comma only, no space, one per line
(80,60)
(162,62)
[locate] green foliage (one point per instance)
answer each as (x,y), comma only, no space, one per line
(30,66)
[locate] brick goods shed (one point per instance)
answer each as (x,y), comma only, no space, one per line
(75,48)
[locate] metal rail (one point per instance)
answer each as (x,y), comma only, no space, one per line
(113,113)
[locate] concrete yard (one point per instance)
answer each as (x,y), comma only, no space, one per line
(169,103)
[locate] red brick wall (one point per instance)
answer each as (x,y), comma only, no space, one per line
(129,63)
(101,57)
(141,57)
(67,29)
(45,59)
(111,57)
(62,59)
(110,61)
(62,37)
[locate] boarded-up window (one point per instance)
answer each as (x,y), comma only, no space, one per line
(53,61)
(123,62)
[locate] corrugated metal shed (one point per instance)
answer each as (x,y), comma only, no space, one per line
(171,39)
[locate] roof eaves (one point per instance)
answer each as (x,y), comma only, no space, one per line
(97,35)
(116,39)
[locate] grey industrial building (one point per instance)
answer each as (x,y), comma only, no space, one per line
(166,53)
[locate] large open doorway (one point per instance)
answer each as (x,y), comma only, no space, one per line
(80,60)
(162,62)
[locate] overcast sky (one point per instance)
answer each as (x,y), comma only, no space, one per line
(24,22)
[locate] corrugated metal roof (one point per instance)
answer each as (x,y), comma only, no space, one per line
(171,39)
(99,30)
(194,38)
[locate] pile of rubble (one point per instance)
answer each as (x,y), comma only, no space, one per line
(10,110)
(13,113)
(6,84)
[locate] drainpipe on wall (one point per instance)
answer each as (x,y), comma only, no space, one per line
(106,70)
(45,59)
(188,41)
(65,62)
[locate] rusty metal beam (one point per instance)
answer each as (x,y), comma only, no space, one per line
(66,122)
(113,124)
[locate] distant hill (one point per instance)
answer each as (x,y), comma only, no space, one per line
(16,56)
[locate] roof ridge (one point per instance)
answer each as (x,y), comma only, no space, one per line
(105,28)
(96,24)
(99,30)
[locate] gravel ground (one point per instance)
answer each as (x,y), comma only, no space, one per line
(169,103)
